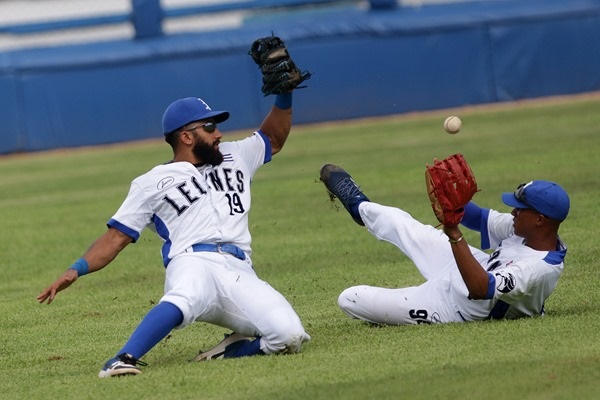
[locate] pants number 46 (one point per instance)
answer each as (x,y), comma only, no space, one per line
(420,316)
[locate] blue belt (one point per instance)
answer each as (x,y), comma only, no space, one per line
(221,248)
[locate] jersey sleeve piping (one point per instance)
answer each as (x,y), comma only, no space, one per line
(113,223)
(268,148)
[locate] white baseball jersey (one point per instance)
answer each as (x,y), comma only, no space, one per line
(521,278)
(187,204)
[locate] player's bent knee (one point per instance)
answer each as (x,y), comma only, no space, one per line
(288,343)
(293,343)
(348,298)
(183,305)
(350,301)
(287,337)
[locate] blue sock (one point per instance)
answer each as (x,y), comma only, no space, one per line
(354,208)
(244,349)
(155,326)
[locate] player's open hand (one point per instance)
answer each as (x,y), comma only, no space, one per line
(65,280)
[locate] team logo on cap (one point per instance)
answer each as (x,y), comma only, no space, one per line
(525,186)
(205,105)
(506,281)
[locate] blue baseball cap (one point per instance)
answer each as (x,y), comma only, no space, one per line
(545,197)
(183,111)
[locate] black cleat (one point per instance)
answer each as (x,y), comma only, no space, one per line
(340,185)
(123,364)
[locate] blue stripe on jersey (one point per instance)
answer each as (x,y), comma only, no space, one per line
(499,310)
(163,232)
(555,257)
(268,149)
(491,286)
(113,223)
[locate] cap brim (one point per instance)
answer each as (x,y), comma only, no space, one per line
(510,200)
(218,116)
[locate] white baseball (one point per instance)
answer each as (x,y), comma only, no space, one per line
(452,124)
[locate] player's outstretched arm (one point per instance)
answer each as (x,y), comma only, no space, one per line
(278,123)
(99,255)
(280,76)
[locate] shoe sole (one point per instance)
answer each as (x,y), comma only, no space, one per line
(119,372)
(218,351)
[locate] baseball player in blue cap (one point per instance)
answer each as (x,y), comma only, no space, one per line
(463,283)
(198,204)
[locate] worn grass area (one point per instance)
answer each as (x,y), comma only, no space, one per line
(55,204)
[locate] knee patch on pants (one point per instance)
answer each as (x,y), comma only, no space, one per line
(287,335)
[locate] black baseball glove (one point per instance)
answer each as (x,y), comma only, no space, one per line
(280,73)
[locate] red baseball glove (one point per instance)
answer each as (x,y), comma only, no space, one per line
(450,186)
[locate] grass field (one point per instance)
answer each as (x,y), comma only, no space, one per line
(55,204)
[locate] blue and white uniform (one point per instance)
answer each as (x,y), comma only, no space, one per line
(201,214)
(520,278)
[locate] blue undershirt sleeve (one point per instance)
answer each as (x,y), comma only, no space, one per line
(476,219)
(473,216)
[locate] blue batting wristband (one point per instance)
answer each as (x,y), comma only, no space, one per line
(81,266)
(283,101)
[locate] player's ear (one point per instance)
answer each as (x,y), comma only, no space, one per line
(542,219)
(186,137)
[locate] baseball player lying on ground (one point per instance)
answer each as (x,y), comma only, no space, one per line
(463,283)
(198,203)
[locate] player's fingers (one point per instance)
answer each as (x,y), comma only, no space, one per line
(47,295)
(52,294)
(61,283)
(44,295)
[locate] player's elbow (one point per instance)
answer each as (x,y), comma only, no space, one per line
(477,295)
(276,148)
(482,289)
(277,141)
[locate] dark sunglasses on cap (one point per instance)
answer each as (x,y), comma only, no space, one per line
(209,127)
(520,195)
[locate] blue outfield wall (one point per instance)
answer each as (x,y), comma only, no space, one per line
(365,63)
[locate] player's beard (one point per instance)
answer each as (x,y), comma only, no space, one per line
(208,153)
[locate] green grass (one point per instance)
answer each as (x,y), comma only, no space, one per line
(55,204)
